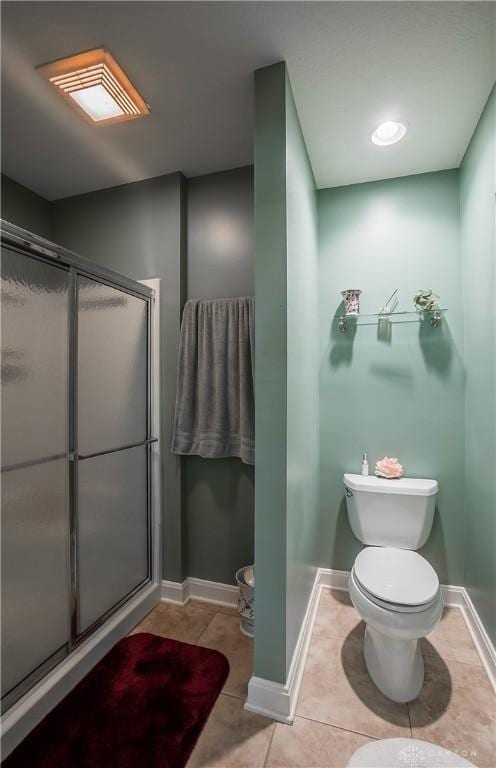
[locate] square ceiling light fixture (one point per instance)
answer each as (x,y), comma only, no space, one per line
(97,86)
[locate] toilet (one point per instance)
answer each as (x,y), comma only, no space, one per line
(393,588)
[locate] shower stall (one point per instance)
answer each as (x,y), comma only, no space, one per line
(79,461)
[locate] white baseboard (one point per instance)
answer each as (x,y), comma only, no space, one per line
(173,592)
(26,713)
(278,700)
(212,592)
(481,639)
(453,597)
(225,595)
(329,578)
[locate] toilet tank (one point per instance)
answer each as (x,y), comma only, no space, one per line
(390,513)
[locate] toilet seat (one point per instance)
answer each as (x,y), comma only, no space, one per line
(396,579)
(394,607)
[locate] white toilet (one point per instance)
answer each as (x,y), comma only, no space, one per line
(394,589)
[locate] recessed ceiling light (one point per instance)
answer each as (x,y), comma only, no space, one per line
(388,133)
(97,86)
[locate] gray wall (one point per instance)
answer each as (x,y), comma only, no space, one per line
(138,230)
(218,496)
(25,208)
(220,229)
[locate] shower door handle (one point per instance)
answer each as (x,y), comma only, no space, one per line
(81,457)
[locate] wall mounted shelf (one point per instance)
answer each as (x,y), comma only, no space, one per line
(433,316)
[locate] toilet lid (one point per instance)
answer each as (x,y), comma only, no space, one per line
(397,607)
(396,575)
(405,753)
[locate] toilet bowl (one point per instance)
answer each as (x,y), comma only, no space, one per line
(394,626)
(393,588)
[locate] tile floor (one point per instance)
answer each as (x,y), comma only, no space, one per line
(339,708)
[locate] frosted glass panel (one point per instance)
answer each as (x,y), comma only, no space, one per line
(112,367)
(34,359)
(112,530)
(35,567)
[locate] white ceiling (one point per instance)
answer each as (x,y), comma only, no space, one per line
(352,65)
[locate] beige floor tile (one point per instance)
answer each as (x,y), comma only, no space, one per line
(457,710)
(337,690)
(336,616)
(223,634)
(451,639)
(308,744)
(185,623)
(232,738)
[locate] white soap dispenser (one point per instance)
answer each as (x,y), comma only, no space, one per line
(365,465)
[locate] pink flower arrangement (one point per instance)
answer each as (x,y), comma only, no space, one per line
(390,468)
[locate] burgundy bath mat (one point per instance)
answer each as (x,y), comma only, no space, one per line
(142,706)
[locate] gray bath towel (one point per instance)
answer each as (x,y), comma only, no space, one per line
(215,409)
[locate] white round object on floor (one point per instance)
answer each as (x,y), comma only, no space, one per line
(406,753)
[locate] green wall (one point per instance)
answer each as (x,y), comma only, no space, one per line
(402,396)
(286,374)
(25,208)
(302,377)
(478,248)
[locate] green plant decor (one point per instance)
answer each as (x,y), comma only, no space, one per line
(426,300)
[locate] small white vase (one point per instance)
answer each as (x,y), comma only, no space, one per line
(351,298)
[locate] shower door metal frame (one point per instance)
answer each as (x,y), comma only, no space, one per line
(75,457)
(31,245)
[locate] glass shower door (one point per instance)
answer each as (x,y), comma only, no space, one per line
(35,483)
(112,434)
